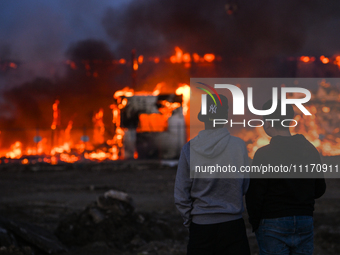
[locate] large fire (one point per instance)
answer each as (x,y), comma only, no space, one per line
(64,148)
(66,145)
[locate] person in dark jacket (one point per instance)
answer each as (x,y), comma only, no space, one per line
(281,209)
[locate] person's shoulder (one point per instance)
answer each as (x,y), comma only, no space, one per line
(236,140)
(263,151)
(308,149)
(186,149)
(306,142)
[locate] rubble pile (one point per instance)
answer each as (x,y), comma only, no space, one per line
(109,225)
(112,221)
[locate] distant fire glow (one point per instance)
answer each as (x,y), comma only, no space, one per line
(321,128)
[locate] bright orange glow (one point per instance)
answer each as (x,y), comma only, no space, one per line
(156,60)
(154,122)
(68,158)
(135,65)
(99,128)
(167,108)
(140,59)
(178,54)
(187,65)
(177,58)
(196,57)
(56,119)
(122,61)
(24,161)
(67,133)
(186,57)
(173,59)
(15,150)
(337,61)
(184,90)
(53,160)
(326,109)
(157,89)
(324,60)
(67,145)
(127,92)
(124,102)
(305,59)
(209,57)
(61,149)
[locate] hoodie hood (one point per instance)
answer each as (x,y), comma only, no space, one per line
(210,143)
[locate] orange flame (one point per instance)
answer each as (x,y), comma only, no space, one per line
(127,92)
(209,57)
(99,128)
(186,57)
(196,57)
(135,65)
(305,59)
(324,60)
(56,119)
(15,150)
(337,61)
(184,90)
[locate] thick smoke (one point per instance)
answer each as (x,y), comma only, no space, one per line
(41,35)
(254,29)
(82,90)
(36,33)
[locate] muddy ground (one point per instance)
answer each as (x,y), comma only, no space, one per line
(47,195)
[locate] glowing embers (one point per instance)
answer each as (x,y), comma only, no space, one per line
(324,60)
(187,58)
(56,115)
(184,90)
(99,128)
(15,151)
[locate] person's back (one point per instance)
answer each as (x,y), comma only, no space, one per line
(212,207)
(284,206)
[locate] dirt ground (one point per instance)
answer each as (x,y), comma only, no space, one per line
(45,195)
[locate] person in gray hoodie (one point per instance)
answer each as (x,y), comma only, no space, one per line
(211,202)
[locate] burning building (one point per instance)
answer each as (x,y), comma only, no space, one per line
(140,121)
(153,124)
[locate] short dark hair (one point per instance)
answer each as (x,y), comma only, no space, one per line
(277,113)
